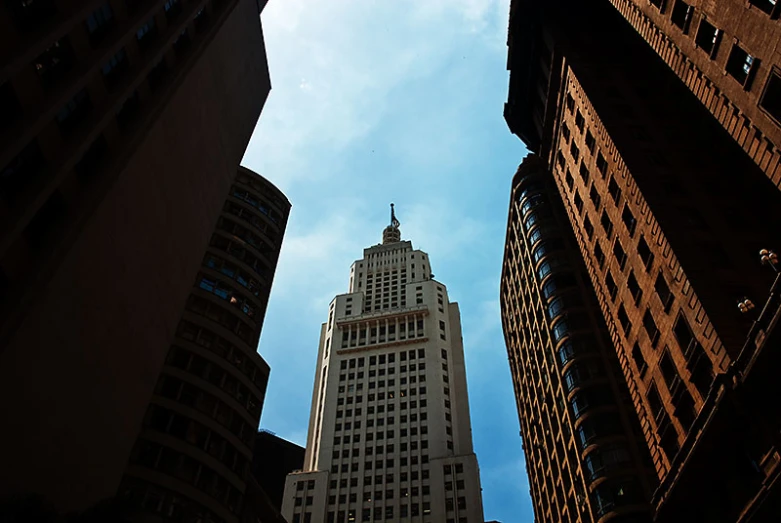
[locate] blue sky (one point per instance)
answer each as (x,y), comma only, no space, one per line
(378,101)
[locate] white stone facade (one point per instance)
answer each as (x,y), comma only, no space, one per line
(389,437)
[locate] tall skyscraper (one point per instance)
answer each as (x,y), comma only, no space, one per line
(389,433)
(585,454)
(122,123)
(192,458)
(669,213)
(724,51)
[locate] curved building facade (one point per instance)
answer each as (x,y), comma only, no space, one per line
(191,461)
(110,185)
(584,452)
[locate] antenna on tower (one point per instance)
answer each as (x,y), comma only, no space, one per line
(394,221)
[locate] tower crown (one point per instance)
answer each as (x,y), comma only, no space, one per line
(391,234)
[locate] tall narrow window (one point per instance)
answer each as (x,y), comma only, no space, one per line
(610,283)
(634,288)
(607,224)
(601,164)
(708,37)
(663,291)
(629,220)
(682,15)
(645,253)
(614,190)
(771,96)
(596,199)
(637,356)
(623,319)
(741,65)
(650,327)
(618,252)
(769,6)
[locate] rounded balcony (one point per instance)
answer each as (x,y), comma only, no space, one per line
(605,460)
(592,399)
(594,428)
(580,374)
(622,493)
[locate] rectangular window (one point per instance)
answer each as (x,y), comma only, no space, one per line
(634,288)
(629,220)
(681,16)
(654,401)
(768,6)
(684,335)
(708,37)
(771,96)
(607,224)
(601,164)
(588,227)
(584,174)
(565,132)
(650,327)
(596,199)
(663,291)
(574,151)
(645,253)
(741,65)
(618,252)
(610,283)
(623,319)
(590,142)
(578,202)
(637,356)
(614,190)
(599,255)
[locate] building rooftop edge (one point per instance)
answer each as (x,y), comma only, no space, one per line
(247,170)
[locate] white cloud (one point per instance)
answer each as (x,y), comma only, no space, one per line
(348,73)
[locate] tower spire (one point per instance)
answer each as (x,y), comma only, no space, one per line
(391,234)
(394,222)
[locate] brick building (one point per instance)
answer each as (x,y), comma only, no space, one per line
(580,433)
(668,210)
(122,124)
(725,51)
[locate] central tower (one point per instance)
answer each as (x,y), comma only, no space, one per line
(389,432)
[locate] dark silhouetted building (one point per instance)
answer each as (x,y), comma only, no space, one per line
(669,213)
(585,455)
(193,456)
(122,124)
(274,459)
